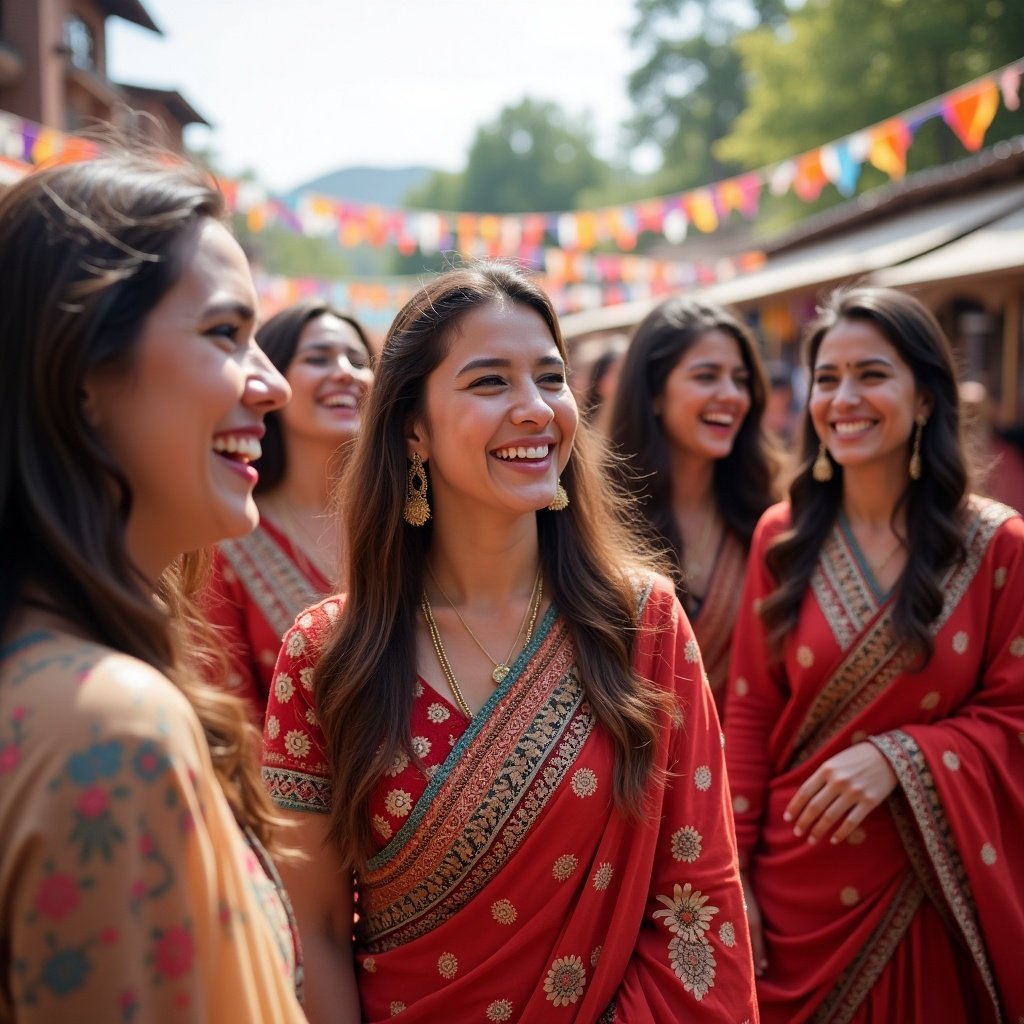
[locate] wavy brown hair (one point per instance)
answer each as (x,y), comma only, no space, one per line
(86,251)
(279,339)
(934,504)
(745,480)
(364,681)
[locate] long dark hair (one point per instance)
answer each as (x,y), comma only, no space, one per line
(363,683)
(86,252)
(279,339)
(745,480)
(934,504)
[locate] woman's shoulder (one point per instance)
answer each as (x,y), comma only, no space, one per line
(314,625)
(68,694)
(991,524)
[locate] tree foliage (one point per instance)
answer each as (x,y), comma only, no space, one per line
(838,67)
(691,88)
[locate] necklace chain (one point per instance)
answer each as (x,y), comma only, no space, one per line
(501,668)
(693,561)
(876,570)
(442,657)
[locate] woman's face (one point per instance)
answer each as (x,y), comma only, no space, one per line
(184,420)
(329,375)
(864,398)
(499,418)
(705,398)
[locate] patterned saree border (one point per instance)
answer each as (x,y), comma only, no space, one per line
(482,722)
(482,849)
(843,595)
(295,791)
(275,583)
(918,786)
(843,1000)
(872,664)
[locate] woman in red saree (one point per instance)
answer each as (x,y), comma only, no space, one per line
(517,858)
(689,422)
(877,761)
(259,583)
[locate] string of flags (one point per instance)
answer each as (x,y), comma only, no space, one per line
(567,245)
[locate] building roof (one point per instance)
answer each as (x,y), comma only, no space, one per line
(130,10)
(176,104)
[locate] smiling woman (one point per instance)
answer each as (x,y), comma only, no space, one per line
(531,836)
(875,710)
(688,423)
(131,406)
(260,582)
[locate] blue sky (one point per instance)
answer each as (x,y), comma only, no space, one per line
(295,89)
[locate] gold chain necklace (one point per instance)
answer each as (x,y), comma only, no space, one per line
(501,668)
(692,564)
(442,657)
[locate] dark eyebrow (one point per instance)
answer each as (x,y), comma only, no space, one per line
(239,309)
(879,360)
(492,363)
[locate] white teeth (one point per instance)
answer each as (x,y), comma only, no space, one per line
(343,401)
(722,418)
(538,452)
(248,448)
(851,428)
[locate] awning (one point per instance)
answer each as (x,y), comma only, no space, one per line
(850,255)
(991,249)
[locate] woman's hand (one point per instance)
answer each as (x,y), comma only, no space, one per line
(756,928)
(843,792)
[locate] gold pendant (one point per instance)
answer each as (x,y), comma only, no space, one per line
(499,674)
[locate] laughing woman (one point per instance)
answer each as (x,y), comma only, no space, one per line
(875,713)
(133,880)
(260,582)
(503,733)
(688,425)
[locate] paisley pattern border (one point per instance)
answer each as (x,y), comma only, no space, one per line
(918,787)
(875,661)
(277,586)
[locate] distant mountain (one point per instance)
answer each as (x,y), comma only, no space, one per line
(387,186)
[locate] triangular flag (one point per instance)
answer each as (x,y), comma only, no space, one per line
(969,113)
(889,144)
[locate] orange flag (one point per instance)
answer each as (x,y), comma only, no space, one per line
(888,147)
(969,113)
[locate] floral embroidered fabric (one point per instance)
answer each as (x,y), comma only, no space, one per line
(127,891)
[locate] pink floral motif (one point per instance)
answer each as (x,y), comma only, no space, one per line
(146,845)
(175,953)
(109,936)
(93,802)
(57,897)
(19,714)
(9,757)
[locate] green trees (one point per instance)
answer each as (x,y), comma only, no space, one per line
(839,66)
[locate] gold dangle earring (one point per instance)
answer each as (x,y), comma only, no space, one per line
(915,455)
(417,509)
(822,468)
(561,498)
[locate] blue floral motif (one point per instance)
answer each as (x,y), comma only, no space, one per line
(65,971)
(150,761)
(100,761)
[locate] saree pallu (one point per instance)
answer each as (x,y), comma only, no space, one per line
(713,623)
(919,915)
(513,890)
(257,585)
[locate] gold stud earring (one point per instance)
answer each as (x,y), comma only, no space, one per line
(561,498)
(417,509)
(916,467)
(822,468)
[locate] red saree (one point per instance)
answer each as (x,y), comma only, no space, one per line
(256,587)
(919,915)
(713,623)
(506,886)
